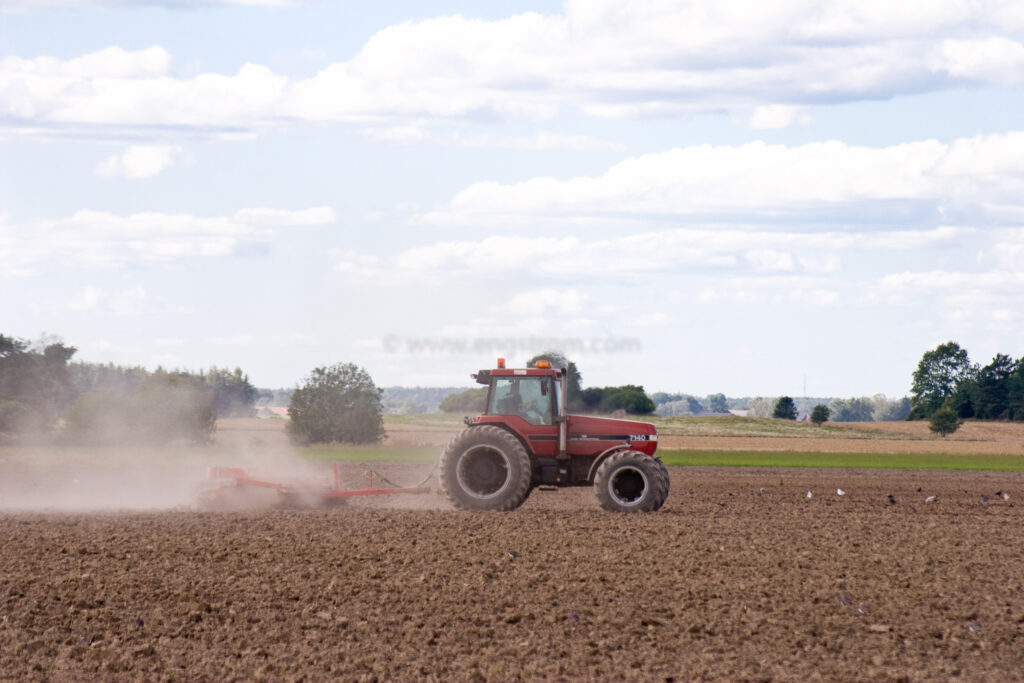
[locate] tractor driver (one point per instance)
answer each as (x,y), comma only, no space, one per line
(535,405)
(526,398)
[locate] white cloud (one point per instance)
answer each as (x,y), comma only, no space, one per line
(816,297)
(775,289)
(766,260)
(978,179)
(686,250)
(110,62)
(603,58)
(744,297)
(234,340)
(27,5)
(656,319)
(104,240)
(541,140)
(130,302)
(1008,250)
(355,264)
(138,161)
(287,339)
(968,300)
(823,264)
(404,134)
(318,215)
(998,59)
(952,282)
(775,116)
(538,141)
(86,299)
(548,300)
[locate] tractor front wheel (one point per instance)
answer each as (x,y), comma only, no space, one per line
(485,468)
(629,481)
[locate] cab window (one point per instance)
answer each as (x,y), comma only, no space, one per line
(527,397)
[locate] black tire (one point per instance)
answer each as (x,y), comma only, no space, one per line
(663,474)
(485,468)
(629,481)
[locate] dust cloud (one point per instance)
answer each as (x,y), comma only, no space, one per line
(136,477)
(65,479)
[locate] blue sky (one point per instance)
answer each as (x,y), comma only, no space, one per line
(697,196)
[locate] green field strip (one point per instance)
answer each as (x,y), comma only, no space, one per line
(902,461)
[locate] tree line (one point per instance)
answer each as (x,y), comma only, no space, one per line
(877,408)
(947,380)
(41,389)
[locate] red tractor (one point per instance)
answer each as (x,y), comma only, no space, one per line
(525,439)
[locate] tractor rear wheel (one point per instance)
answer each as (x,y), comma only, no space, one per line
(629,481)
(485,468)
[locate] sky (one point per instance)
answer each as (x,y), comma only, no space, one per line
(798,197)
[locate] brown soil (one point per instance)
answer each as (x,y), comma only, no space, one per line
(739,577)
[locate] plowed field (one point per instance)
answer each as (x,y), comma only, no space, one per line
(740,577)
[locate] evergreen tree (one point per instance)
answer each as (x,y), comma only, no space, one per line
(820,414)
(785,409)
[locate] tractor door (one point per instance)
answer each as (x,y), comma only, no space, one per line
(529,406)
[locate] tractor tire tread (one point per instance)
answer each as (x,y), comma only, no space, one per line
(662,473)
(657,477)
(495,436)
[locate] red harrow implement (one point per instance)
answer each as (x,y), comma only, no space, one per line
(233,485)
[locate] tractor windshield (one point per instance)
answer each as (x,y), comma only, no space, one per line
(527,397)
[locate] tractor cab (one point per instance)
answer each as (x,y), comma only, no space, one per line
(534,394)
(534,398)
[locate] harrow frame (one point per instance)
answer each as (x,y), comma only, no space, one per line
(326,489)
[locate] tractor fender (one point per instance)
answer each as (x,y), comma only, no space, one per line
(607,453)
(505,427)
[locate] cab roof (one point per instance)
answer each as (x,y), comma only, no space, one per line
(484,376)
(528,372)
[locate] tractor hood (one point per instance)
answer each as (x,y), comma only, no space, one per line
(595,434)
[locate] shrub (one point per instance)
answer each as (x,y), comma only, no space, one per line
(339,403)
(944,421)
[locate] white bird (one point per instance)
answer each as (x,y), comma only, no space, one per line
(931,499)
(1006,496)
(810,495)
(840,492)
